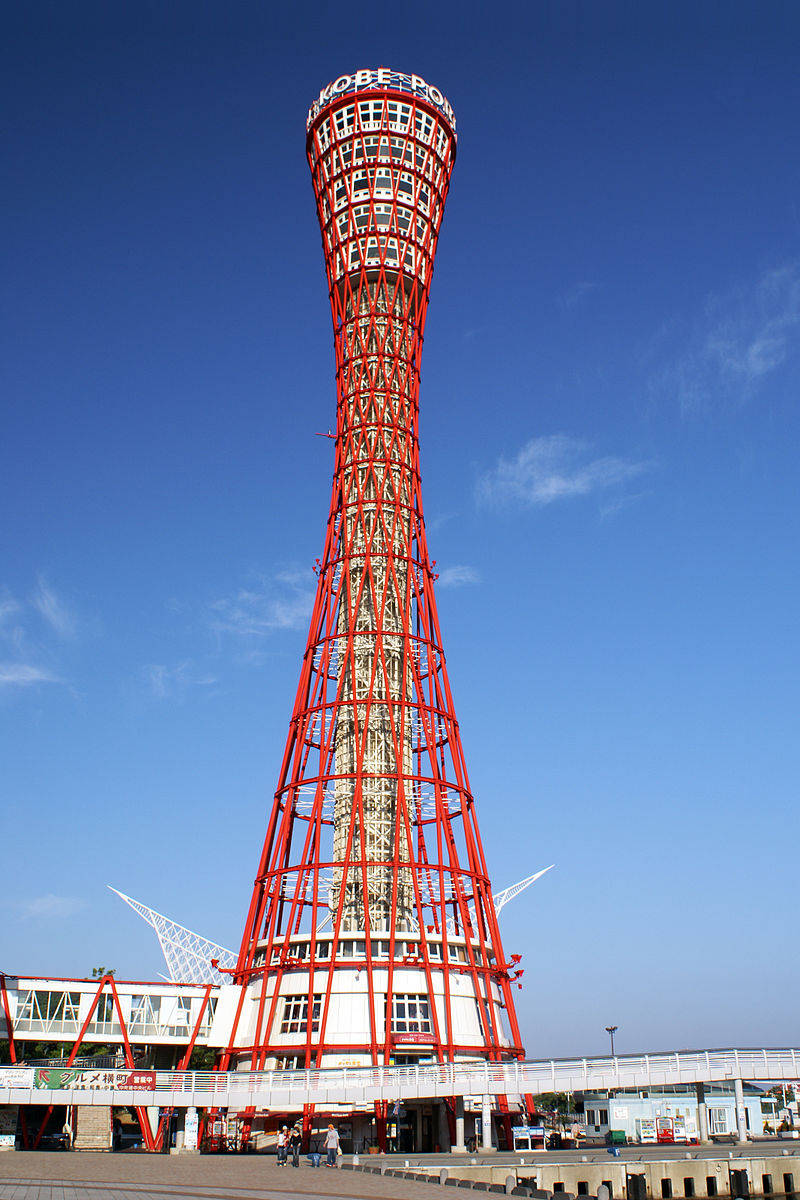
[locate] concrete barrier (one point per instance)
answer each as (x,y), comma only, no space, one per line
(688,1178)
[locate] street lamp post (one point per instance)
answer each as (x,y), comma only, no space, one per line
(611,1030)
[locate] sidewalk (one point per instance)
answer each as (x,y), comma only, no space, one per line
(87,1176)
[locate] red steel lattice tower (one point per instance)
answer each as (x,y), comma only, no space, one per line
(372,935)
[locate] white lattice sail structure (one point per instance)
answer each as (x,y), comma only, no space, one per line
(501,899)
(188,955)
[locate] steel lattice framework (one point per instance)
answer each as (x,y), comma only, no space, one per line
(372,926)
(188,955)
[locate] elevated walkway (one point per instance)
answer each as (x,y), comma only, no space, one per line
(282,1090)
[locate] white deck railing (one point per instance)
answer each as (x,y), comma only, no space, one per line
(359,1085)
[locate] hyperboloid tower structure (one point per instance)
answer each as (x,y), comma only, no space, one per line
(372,936)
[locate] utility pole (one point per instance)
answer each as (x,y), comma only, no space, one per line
(611,1030)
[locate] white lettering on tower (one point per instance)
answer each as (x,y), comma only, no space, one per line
(367,79)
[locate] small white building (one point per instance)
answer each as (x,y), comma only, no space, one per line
(670,1113)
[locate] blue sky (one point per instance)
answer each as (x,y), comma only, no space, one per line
(609,448)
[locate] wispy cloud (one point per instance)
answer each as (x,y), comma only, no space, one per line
(553,468)
(166,681)
(20,674)
(52,609)
(51,906)
(12,626)
(271,604)
(457,576)
(32,650)
(572,296)
(436,523)
(9,609)
(742,337)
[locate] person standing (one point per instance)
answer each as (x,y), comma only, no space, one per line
(282,1142)
(67,1132)
(331,1146)
(295,1139)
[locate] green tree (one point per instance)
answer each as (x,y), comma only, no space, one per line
(555,1102)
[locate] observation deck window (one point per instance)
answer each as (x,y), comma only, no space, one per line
(423,126)
(104,1018)
(144,1013)
(356,949)
(344,120)
(402,151)
(371,112)
(411,1014)
(41,1011)
(178,1019)
(295,1014)
(291,1062)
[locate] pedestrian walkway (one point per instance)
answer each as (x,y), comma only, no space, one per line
(87,1176)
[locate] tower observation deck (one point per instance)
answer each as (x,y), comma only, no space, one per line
(372,935)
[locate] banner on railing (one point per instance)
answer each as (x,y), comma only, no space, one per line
(63,1079)
(16,1077)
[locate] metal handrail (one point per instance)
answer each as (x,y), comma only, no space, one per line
(355,1084)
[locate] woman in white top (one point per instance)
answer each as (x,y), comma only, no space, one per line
(331,1146)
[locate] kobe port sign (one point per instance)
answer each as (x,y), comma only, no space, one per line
(361,81)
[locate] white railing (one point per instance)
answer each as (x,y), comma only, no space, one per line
(354,1085)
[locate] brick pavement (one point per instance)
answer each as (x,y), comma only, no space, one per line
(86,1176)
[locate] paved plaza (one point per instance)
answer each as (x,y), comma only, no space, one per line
(87,1176)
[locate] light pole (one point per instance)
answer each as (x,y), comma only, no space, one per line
(611,1030)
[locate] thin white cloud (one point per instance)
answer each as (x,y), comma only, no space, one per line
(51,906)
(9,608)
(165,681)
(52,609)
(12,627)
(553,468)
(742,337)
(457,576)
(24,675)
(572,296)
(280,603)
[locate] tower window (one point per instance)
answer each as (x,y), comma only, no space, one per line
(295,1014)
(411,1014)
